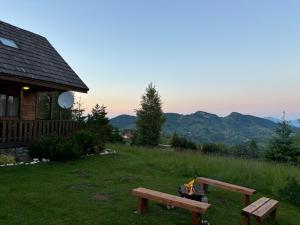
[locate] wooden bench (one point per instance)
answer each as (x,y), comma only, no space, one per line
(197,208)
(246,192)
(260,209)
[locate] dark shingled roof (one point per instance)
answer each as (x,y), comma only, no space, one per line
(35,59)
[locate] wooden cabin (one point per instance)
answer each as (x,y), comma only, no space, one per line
(29,66)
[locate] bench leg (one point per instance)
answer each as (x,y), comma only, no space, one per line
(196,218)
(245,219)
(205,188)
(246,200)
(258,221)
(142,205)
(273,214)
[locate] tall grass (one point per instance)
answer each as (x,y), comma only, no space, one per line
(265,177)
(97,189)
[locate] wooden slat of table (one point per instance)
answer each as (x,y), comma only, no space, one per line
(264,210)
(194,206)
(227,186)
(255,205)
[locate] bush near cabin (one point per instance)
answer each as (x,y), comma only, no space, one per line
(87,141)
(63,149)
(55,148)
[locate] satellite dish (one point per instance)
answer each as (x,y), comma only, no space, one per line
(66,100)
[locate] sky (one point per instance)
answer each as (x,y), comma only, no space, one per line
(209,55)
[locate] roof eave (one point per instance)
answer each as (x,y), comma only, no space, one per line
(46,84)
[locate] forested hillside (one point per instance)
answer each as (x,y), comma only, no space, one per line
(203,127)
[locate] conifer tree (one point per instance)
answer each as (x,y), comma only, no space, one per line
(150,118)
(281,146)
(98,123)
(78,112)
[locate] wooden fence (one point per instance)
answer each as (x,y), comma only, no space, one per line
(15,133)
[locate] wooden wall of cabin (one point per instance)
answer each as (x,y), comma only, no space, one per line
(28,106)
(31,106)
(27,100)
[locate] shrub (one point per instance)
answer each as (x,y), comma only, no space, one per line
(55,148)
(65,150)
(291,191)
(5,159)
(211,148)
(42,147)
(247,149)
(182,143)
(86,140)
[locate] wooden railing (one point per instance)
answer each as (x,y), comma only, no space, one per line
(15,133)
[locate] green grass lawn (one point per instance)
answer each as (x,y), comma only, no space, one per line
(97,189)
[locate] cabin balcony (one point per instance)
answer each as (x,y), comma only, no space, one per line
(20,133)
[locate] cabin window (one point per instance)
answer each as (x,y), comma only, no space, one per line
(8,42)
(2,105)
(9,106)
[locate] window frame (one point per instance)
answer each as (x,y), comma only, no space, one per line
(6,116)
(8,42)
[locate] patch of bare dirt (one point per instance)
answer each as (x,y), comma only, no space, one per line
(130,179)
(82,173)
(80,187)
(100,197)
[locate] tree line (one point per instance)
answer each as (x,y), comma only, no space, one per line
(149,122)
(150,119)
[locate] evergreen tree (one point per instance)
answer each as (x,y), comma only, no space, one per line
(281,147)
(150,118)
(115,136)
(98,123)
(98,116)
(78,112)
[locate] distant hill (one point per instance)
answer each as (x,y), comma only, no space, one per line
(273,119)
(293,123)
(123,122)
(204,127)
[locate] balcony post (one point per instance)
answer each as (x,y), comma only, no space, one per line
(51,105)
(21,104)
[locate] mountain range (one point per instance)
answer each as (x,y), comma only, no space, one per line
(203,127)
(293,123)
